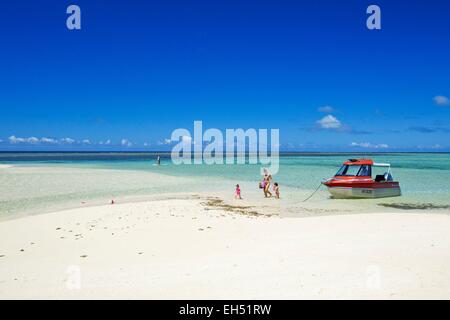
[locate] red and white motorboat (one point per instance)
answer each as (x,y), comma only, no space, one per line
(354,180)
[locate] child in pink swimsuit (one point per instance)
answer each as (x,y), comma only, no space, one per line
(238,192)
(276,189)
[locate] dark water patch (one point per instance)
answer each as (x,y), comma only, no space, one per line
(67,157)
(414,206)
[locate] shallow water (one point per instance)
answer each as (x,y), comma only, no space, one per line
(34,186)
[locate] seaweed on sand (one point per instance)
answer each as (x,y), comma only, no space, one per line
(414,206)
(216,203)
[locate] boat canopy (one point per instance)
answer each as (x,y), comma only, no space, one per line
(359,162)
(365,162)
(382,165)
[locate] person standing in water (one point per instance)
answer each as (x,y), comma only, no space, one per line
(266,183)
(158,161)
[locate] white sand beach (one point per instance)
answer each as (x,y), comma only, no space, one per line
(224,150)
(203,249)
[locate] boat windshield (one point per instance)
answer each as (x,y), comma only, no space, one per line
(360,171)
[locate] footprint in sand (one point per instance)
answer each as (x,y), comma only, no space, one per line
(2,255)
(83,256)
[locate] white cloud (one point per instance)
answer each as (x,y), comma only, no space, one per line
(164,142)
(326,109)
(54,141)
(369,145)
(49,140)
(126,143)
(434,147)
(33,140)
(329,122)
(14,140)
(360,144)
(442,101)
(66,140)
(107,142)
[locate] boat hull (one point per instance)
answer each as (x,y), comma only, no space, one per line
(341,192)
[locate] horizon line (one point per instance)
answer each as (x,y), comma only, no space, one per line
(224,153)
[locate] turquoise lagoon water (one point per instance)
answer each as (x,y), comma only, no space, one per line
(424,177)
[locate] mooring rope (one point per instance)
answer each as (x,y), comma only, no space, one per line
(313,192)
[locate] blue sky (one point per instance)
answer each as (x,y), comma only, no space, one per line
(139,69)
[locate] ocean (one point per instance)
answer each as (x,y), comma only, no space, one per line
(40,182)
